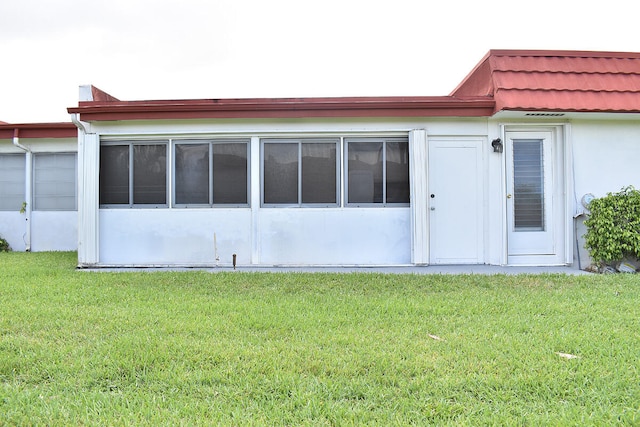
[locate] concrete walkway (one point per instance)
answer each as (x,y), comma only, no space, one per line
(431,269)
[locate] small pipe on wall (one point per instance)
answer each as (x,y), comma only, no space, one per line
(27,190)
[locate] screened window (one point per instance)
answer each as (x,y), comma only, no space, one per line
(377,171)
(12,182)
(133,173)
(300,172)
(54,181)
(213,172)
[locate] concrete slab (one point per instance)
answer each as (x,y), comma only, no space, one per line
(431,269)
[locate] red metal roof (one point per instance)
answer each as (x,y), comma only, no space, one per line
(556,81)
(38,130)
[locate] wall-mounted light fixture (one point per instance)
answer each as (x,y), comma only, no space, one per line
(497,145)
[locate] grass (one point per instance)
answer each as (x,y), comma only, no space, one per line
(195,348)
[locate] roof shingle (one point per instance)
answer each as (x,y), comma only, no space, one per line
(557,80)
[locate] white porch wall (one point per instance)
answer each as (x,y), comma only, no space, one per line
(290,236)
(54,231)
(13,228)
(174,236)
(364,236)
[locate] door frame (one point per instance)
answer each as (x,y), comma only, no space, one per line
(563,168)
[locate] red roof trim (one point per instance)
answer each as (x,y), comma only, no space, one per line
(39,130)
(562,53)
(286,108)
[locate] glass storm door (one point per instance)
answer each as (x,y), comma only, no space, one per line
(534,199)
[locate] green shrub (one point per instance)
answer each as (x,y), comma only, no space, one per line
(613,227)
(4,245)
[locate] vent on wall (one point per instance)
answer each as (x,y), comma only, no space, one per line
(545,114)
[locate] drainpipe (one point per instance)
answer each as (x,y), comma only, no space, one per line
(75,119)
(28,188)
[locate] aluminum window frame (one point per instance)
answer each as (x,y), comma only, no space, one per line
(131,144)
(210,142)
(384,140)
(299,141)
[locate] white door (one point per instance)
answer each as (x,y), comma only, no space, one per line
(534,198)
(455,201)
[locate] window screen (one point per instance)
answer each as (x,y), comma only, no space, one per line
(114,174)
(365,172)
(150,174)
(319,173)
(230,177)
(211,172)
(192,174)
(12,181)
(133,173)
(54,186)
(378,171)
(300,172)
(281,173)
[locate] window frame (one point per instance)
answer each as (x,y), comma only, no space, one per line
(211,196)
(336,141)
(131,144)
(384,141)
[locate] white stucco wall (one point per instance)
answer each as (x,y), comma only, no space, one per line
(606,156)
(606,159)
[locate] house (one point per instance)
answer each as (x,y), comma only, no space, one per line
(38,186)
(494,173)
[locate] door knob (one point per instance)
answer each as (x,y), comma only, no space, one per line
(432,208)
(508,196)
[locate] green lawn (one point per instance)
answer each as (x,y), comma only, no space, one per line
(195,348)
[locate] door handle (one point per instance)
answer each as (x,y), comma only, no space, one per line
(508,196)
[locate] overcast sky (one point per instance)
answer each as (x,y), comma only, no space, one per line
(178,49)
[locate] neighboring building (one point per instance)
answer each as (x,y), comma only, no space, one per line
(38,188)
(494,173)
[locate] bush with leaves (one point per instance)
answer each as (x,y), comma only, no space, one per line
(4,245)
(613,227)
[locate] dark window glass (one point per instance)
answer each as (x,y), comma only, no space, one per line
(319,173)
(281,173)
(365,172)
(192,174)
(230,173)
(114,174)
(150,174)
(397,163)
